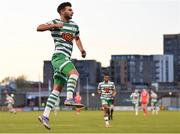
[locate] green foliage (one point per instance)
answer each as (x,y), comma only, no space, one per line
(21,82)
(6,80)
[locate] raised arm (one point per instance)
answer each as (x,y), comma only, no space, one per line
(44,27)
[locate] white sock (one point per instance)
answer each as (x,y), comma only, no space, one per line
(71,85)
(69,95)
(50,103)
(106,120)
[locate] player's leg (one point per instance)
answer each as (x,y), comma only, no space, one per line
(13,110)
(156,108)
(106,110)
(59,82)
(9,108)
(72,81)
(111,108)
(152,107)
(49,105)
(106,118)
(144,107)
(78,111)
(111,111)
(73,75)
(136,108)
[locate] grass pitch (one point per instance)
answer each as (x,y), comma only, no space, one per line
(91,122)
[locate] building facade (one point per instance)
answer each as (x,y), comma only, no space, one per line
(89,71)
(172,46)
(129,69)
(164,68)
(47,73)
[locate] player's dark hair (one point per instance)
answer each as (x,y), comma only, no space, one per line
(63,5)
(106,73)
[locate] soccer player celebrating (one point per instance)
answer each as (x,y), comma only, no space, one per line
(63,32)
(10,102)
(107,92)
(144,100)
(135,101)
(154,106)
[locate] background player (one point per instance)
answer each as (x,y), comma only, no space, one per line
(10,102)
(134,97)
(78,101)
(144,99)
(154,107)
(107,91)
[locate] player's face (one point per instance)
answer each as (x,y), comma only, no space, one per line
(68,13)
(106,78)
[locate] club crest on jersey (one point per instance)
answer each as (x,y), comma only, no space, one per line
(67,37)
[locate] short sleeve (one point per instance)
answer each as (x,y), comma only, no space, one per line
(113,86)
(77,33)
(50,22)
(99,86)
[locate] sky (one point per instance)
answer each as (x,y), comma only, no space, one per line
(107,27)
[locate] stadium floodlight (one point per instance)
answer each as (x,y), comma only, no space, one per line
(170,93)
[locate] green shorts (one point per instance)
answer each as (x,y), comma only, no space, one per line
(106,102)
(153,103)
(62,65)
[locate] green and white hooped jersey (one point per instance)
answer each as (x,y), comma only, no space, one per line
(153,97)
(106,90)
(134,98)
(63,37)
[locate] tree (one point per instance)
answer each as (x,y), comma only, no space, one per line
(6,80)
(21,82)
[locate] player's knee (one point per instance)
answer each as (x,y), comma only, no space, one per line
(106,107)
(57,87)
(74,72)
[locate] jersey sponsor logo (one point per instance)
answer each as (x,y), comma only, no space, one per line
(67,36)
(107,90)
